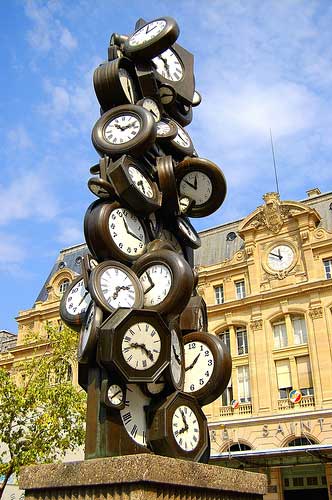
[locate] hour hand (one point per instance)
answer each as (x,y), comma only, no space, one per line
(193,363)
(194,186)
(130,232)
(151,283)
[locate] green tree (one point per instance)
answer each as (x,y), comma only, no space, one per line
(42,414)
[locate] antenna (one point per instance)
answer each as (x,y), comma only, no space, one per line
(274,163)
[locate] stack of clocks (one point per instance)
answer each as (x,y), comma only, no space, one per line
(142,322)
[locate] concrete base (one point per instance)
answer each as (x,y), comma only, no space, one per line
(139,477)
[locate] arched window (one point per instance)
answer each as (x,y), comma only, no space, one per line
(301,441)
(239,447)
(285,329)
(63,286)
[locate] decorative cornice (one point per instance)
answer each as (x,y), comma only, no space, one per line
(316,312)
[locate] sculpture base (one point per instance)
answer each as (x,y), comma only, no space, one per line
(139,477)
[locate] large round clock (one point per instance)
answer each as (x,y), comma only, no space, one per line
(133,414)
(280,257)
(126,129)
(208,366)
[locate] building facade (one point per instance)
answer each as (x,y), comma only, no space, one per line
(267,283)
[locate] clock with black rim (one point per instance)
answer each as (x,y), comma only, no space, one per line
(180,111)
(127,129)
(177,359)
(135,343)
(113,285)
(134,186)
(133,415)
(167,281)
(181,145)
(152,38)
(194,317)
(101,188)
(114,232)
(186,231)
(208,366)
(178,428)
(74,303)
(203,181)
(113,393)
(166,129)
(89,333)
(151,105)
(115,83)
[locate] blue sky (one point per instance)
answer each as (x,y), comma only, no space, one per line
(258,65)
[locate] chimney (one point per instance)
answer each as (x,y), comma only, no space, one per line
(313,192)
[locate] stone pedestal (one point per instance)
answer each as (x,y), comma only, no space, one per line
(139,477)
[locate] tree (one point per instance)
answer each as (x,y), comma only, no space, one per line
(42,414)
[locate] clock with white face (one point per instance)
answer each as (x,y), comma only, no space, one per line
(199,367)
(141,346)
(115,395)
(185,428)
(177,360)
(141,182)
(128,85)
(127,232)
(88,337)
(169,66)
(74,303)
(122,129)
(133,414)
(148,32)
(156,281)
(280,257)
(197,186)
(152,106)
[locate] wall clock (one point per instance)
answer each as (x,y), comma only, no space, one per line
(74,303)
(280,257)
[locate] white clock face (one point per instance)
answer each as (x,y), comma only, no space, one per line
(163,128)
(117,288)
(127,232)
(78,299)
(156,282)
(141,346)
(197,186)
(280,257)
(199,365)
(184,203)
(133,414)
(152,106)
(122,129)
(128,85)
(176,357)
(187,230)
(168,65)
(185,428)
(115,394)
(140,182)
(86,330)
(182,138)
(148,32)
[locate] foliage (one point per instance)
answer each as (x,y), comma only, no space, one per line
(42,414)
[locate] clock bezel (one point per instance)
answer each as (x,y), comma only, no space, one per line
(275,244)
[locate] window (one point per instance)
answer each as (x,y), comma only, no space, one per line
(304,375)
(63,286)
(284,378)
(227,395)
(219,294)
(240,289)
(328,268)
(243,384)
(300,330)
(242,341)
(231,236)
(280,334)
(225,337)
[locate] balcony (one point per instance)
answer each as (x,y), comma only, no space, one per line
(306,402)
(229,411)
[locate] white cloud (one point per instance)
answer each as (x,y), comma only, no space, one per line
(19,138)
(48,32)
(70,231)
(28,195)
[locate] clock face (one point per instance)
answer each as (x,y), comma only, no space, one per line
(199,365)
(185,428)
(280,257)
(122,128)
(148,32)
(187,230)
(176,357)
(141,346)
(156,282)
(115,395)
(133,415)
(197,185)
(127,232)
(140,182)
(151,106)
(78,299)
(88,336)
(182,138)
(169,66)
(163,129)
(128,85)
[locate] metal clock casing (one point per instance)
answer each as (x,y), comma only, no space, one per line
(74,303)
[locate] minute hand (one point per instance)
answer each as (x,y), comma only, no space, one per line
(130,232)
(193,363)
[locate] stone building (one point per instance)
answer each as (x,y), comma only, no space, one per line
(267,283)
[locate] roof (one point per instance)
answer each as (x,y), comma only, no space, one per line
(219,243)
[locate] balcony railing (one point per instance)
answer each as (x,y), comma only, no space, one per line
(229,411)
(306,402)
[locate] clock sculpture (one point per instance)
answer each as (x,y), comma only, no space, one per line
(145,356)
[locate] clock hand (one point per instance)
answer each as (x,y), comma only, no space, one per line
(165,64)
(114,395)
(151,284)
(129,232)
(194,186)
(176,355)
(86,293)
(193,363)
(276,255)
(117,290)
(184,420)
(280,256)
(130,91)
(140,183)
(143,346)
(148,30)
(195,183)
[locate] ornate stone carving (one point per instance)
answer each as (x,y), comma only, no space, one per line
(256,324)
(272,214)
(316,312)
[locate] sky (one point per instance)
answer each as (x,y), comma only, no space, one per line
(259,65)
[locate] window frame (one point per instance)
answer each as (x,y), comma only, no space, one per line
(240,289)
(328,268)
(219,294)
(241,344)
